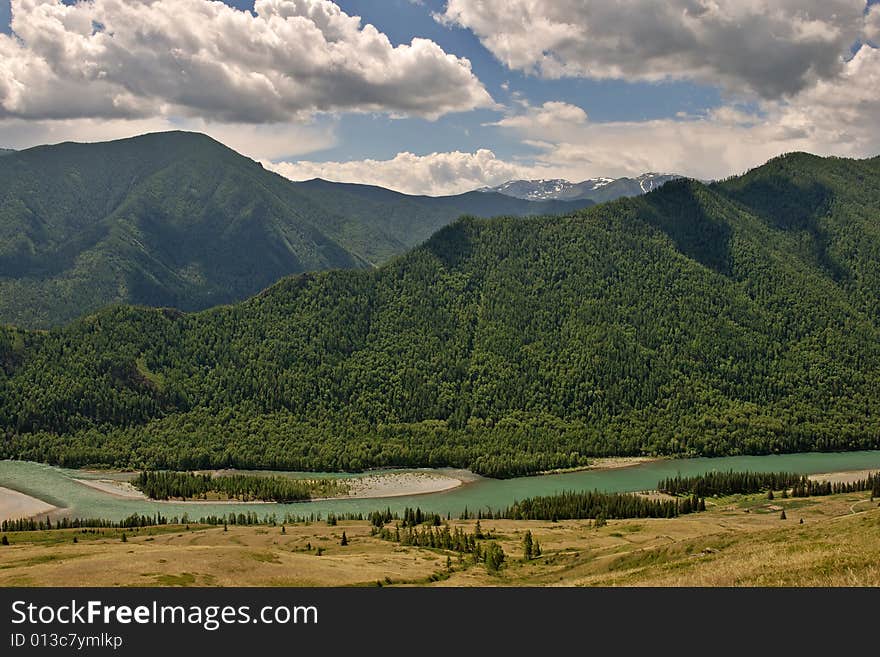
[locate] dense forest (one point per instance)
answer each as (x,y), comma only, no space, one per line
(739,317)
(164,485)
(731,482)
(595,505)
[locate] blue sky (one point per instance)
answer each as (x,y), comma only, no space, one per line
(567,88)
(401,20)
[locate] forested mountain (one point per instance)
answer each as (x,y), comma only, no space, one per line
(740,317)
(177,219)
(379,223)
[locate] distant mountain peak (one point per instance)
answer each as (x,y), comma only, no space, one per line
(595,189)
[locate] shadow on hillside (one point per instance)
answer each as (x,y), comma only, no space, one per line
(677,211)
(792,207)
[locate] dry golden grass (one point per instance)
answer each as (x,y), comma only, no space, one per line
(241,556)
(739,541)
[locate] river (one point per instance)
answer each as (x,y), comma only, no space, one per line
(57,487)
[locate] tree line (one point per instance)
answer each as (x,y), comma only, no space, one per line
(731,482)
(575,505)
(163,485)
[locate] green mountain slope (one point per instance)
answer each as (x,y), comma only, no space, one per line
(738,317)
(379,223)
(177,219)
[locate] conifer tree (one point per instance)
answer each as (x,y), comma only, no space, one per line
(344,540)
(528,546)
(782,515)
(493,557)
(4,540)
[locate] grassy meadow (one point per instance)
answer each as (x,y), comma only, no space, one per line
(738,541)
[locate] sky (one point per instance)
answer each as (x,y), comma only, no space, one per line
(444,96)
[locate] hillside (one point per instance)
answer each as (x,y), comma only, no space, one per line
(379,223)
(177,219)
(740,317)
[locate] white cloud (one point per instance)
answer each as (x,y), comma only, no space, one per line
(160,58)
(434,174)
(772,47)
(551,115)
(834,117)
(872,24)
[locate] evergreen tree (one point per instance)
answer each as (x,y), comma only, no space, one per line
(528,546)
(782,515)
(493,557)
(344,540)
(4,540)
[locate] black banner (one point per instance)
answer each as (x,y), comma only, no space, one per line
(240,621)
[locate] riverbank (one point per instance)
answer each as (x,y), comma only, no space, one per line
(370,486)
(608,463)
(15,505)
(402,484)
(845,477)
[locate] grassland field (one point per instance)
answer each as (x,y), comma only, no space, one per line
(738,541)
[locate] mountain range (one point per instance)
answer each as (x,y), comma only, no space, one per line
(177,219)
(598,190)
(737,317)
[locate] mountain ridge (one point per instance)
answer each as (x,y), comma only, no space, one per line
(178,219)
(595,189)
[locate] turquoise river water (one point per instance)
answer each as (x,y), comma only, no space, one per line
(57,486)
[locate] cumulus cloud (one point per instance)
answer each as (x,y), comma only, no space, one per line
(835,117)
(434,174)
(551,115)
(136,59)
(872,25)
(774,48)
